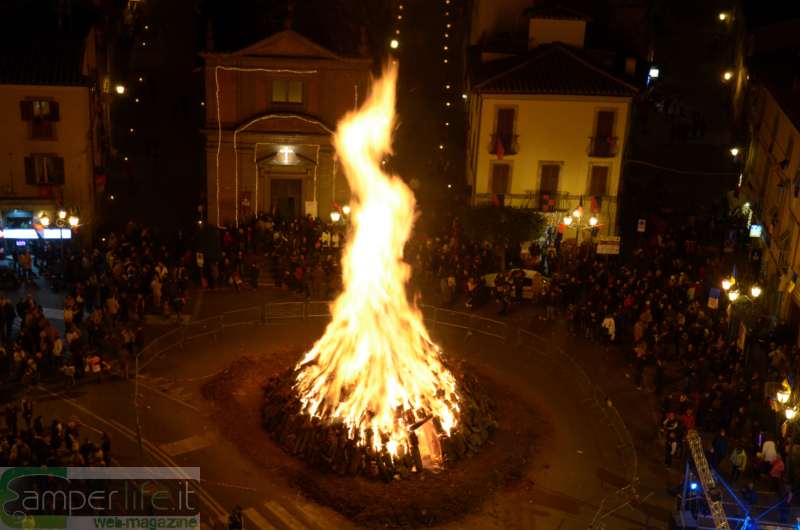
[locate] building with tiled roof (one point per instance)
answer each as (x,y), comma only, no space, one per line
(51,138)
(55,63)
(548,125)
(552,69)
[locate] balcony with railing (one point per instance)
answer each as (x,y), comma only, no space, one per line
(603,146)
(509,144)
(556,203)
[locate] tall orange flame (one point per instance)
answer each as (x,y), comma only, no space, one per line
(376,369)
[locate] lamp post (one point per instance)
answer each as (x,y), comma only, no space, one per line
(737,295)
(576,219)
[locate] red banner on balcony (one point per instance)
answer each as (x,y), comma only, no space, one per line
(500,149)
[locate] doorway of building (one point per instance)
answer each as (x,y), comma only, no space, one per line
(286,195)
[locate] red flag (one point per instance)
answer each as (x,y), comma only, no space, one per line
(500,149)
(597,202)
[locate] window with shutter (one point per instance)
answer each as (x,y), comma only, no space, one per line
(42,115)
(604,142)
(548,186)
(598,181)
(549,182)
(504,133)
(44,170)
(500,178)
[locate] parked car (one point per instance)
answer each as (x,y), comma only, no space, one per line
(533,283)
(8,280)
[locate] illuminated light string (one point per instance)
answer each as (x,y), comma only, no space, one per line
(219,120)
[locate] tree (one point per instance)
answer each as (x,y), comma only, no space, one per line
(502,226)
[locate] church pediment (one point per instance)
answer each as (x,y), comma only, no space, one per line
(287,43)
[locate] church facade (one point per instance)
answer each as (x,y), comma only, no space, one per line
(271,110)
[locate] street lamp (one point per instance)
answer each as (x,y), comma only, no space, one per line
(733,295)
(346,209)
(755,291)
(783,396)
(62,214)
(120,89)
(734,151)
(791,413)
(576,213)
(394,44)
(593,221)
(335,216)
(726,284)
(568,220)
(723,16)
(73,221)
(727,76)
(44,220)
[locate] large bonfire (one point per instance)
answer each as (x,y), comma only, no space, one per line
(374,385)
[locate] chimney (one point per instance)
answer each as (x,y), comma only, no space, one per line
(546,30)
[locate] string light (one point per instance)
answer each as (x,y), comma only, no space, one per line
(445,48)
(399,17)
(219,127)
(445,61)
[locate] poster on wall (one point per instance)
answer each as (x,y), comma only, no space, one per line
(311,208)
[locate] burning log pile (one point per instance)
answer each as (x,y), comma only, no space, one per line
(327,446)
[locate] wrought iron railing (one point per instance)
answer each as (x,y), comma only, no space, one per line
(603,146)
(509,142)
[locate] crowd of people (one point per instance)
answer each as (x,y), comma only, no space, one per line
(304,254)
(28,441)
(655,307)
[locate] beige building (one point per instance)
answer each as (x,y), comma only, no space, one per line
(271,109)
(771,178)
(547,128)
(48,142)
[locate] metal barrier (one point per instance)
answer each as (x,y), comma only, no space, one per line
(471,323)
(241,317)
(282,310)
(318,309)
